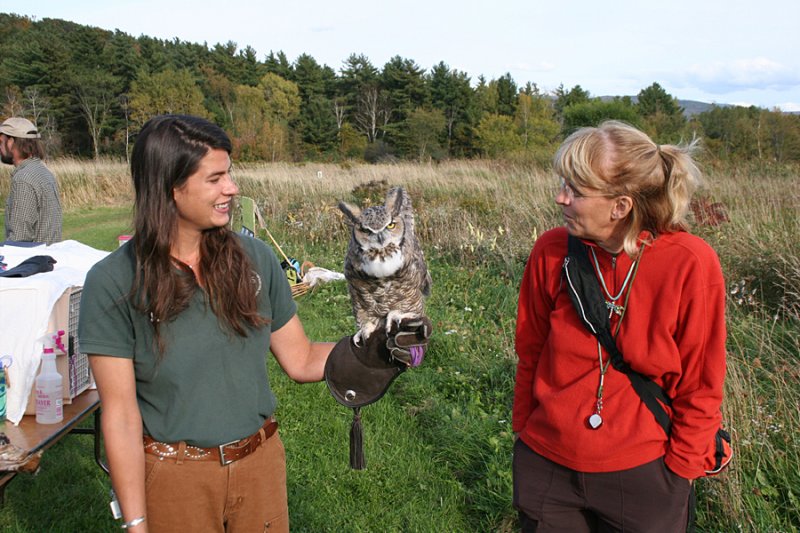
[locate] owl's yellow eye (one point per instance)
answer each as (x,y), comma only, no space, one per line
(391,225)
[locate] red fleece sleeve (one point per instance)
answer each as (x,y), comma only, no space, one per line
(701,340)
(533,325)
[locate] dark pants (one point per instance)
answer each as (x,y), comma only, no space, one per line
(550,497)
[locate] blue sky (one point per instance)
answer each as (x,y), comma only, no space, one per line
(723,51)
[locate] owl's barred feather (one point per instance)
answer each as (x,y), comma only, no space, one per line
(384,266)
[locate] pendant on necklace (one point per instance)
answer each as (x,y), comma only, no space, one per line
(595,421)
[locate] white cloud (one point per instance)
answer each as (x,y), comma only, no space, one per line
(752,73)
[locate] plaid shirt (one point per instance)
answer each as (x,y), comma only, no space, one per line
(33,210)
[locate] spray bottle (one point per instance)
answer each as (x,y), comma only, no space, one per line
(49,389)
(5,362)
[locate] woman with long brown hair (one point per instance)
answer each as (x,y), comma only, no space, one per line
(178,323)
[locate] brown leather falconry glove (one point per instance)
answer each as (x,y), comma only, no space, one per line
(360,375)
(408,340)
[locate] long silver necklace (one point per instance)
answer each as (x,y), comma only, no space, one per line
(611,301)
(596,419)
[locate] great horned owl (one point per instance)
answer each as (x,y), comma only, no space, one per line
(384,267)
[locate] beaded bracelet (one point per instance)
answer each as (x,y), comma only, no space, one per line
(133,523)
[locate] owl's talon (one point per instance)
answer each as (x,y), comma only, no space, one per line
(394,318)
(362,335)
(357,339)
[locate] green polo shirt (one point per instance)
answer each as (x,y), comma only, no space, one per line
(211,386)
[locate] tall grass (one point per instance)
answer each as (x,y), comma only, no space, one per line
(467,209)
(439,444)
(85,183)
(759,251)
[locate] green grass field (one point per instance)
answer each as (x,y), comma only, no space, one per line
(438,446)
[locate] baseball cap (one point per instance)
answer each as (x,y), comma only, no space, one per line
(19,127)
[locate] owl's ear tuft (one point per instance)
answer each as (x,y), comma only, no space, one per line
(352,213)
(396,200)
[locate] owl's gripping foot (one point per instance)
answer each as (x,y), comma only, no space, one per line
(363,334)
(393,318)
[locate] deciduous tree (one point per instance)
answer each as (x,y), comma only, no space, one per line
(497,136)
(731,132)
(282,97)
(536,124)
(372,112)
(249,116)
(96,92)
(169,91)
(593,112)
(424,128)
(12,104)
(220,95)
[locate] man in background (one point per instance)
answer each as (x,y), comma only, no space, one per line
(33,209)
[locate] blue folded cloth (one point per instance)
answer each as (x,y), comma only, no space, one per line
(31,266)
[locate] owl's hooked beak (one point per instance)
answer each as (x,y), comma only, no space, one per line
(380,237)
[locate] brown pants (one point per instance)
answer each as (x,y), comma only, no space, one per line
(550,497)
(246,496)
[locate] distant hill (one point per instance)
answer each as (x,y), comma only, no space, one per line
(690,107)
(693,107)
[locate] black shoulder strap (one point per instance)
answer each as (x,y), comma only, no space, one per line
(584,291)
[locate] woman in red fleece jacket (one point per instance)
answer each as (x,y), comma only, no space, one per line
(590,455)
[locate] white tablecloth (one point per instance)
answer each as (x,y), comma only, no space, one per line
(25,307)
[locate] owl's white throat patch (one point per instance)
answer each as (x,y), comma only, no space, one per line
(382,267)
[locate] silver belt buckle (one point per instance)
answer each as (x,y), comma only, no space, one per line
(222,459)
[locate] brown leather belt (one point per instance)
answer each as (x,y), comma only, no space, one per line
(224,453)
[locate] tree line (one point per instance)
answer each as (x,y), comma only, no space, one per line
(89,90)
